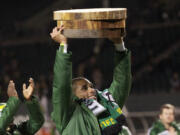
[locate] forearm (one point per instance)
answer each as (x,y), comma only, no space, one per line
(120,47)
(36,118)
(62,75)
(121,84)
(62,92)
(8,113)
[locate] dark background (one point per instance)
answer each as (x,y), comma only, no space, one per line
(153,36)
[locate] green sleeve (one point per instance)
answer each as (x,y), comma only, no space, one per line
(62,100)
(152,132)
(8,113)
(121,84)
(178,125)
(36,118)
(157,128)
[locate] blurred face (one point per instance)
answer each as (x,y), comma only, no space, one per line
(167,116)
(85,90)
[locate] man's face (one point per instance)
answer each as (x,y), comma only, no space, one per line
(85,90)
(167,116)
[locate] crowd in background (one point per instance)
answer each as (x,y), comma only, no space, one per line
(155,55)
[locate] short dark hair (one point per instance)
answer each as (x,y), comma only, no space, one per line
(78,79)
(166,106)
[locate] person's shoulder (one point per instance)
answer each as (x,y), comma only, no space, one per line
(156,128)
(157,123)
(125,127)
(152,130)
(126,130)
(178,124)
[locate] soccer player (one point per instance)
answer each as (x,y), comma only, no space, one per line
(78,108)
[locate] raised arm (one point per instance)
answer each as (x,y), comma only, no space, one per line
(121,84)
(36,118)
(11,107)
(63,105)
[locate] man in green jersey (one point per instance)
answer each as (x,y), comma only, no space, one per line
(78,108)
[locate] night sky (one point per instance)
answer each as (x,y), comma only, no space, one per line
(18,10)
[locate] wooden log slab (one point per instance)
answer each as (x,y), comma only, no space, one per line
(91,14)
(92,23)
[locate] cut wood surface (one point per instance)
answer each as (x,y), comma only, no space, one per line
(105,33)
(91,14)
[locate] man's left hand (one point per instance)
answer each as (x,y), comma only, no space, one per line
(28,91)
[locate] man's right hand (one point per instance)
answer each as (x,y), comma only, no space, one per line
(28,91)
(12,90)
(57,35)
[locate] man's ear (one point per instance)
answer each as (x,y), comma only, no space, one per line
(160,116)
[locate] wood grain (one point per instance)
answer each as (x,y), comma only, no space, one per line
(91,14)
(92,25)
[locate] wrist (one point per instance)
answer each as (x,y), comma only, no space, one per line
(63,47)
(120,46)
(28,99)
(63,42)
(117,40)
(13,97)
(16,96)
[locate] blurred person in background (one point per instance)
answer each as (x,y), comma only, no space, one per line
(166,124)
(97,78)
(80,109)
(175,83)
(43,94)
(9,109)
